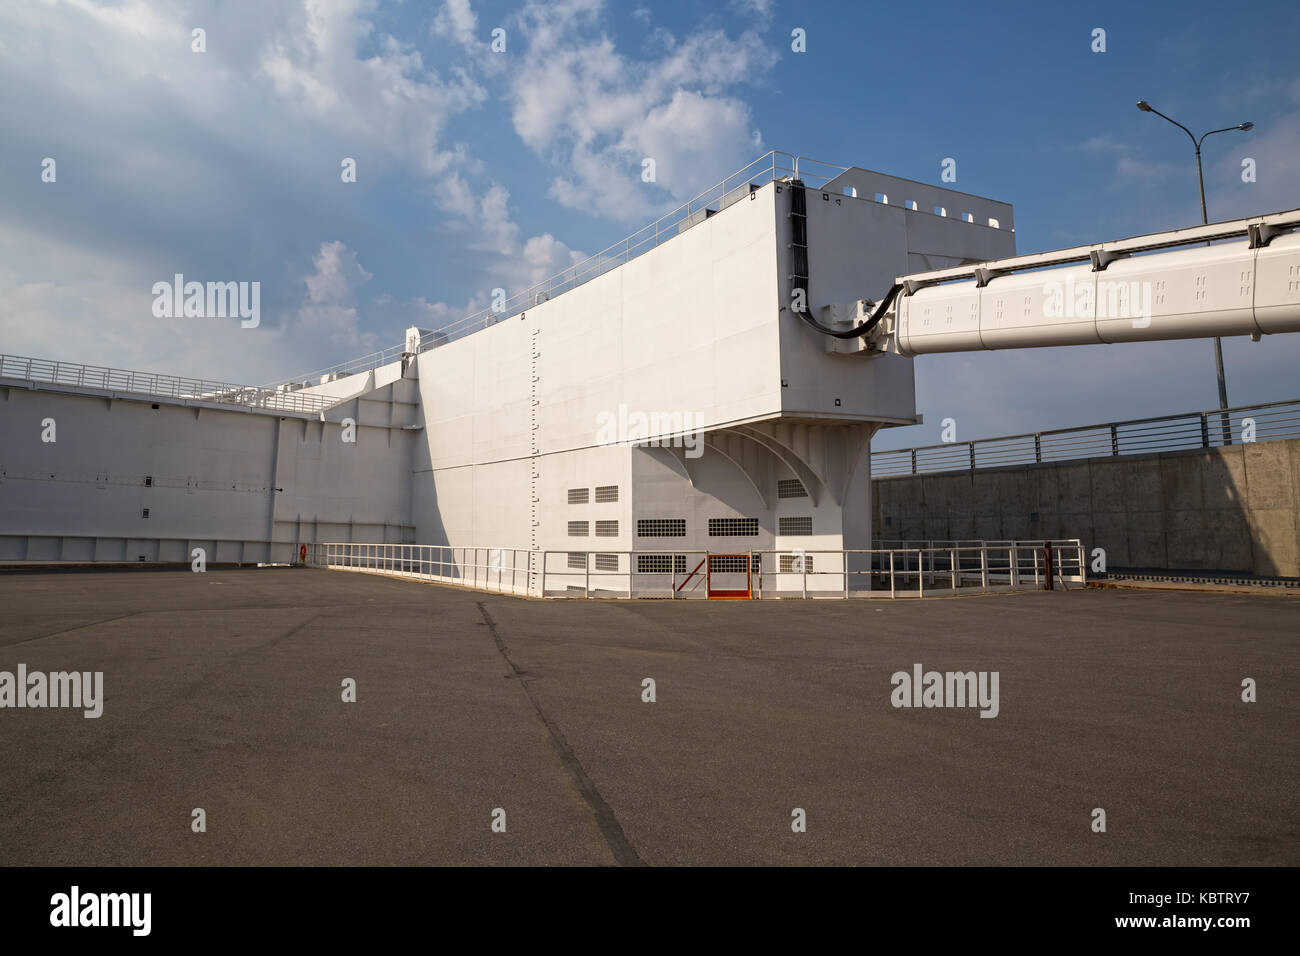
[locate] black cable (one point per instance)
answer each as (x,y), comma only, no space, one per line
(857,330)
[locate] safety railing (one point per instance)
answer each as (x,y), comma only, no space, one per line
(159,385)
(937,568)
(773,166)
(1189,431)
(506,570)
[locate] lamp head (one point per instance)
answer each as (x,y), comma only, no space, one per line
(1144,106)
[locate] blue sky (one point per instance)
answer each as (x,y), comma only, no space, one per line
(479,169)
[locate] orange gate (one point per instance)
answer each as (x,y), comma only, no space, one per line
(726,572)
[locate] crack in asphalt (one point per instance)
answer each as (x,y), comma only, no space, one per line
(610,828)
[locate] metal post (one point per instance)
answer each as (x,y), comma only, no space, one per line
(1205,432)
(891,574)
(984,567)
(1038,449)
(920,575)
(952,567)
(1114,439)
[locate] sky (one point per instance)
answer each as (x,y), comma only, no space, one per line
(478,168)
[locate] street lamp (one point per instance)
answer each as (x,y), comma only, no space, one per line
(1146,107)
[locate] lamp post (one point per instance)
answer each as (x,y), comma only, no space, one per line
(1146,107)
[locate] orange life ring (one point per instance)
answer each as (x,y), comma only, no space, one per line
(302,553)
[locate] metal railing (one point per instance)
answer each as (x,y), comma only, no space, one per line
(506,570)
(915,570)
(158,385)
(1192,430)
(773,166)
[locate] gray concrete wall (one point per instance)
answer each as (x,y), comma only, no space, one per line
(1230,509)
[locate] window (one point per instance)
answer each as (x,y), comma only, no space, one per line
(607,529)
(733,527)
(578,559)
(728,563)
(577,529)
(800,525)
(144,513)
(606,493)
(791,488)
(577,496)
(790,563)
(607,562)
(661,563)
(661,528)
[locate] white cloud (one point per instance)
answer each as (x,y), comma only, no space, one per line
(597,114)
(456,21)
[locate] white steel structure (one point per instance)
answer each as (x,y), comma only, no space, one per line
(677,393)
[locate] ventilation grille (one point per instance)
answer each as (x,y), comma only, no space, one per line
(578,559)
(791,563)
(733,527)
(801,525)
(661,563)
(661,528)
(787,488)
(606,529)
(728,563)
(577,496)
(607,562)
(606,493)
(577,529)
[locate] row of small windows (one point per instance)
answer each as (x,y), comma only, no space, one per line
(796,563)
(604,495)
(604,529)
(661,528)
(661,563)
(791,488)
(718,527)
(733,527)
(604,562)
(677,563)
(794,525)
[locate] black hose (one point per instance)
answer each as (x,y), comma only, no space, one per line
(877,314)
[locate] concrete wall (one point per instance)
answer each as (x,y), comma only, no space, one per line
(247,486)
(1223,509)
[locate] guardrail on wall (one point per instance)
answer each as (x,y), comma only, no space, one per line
(1189,431)
(159,385)
(933,569)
